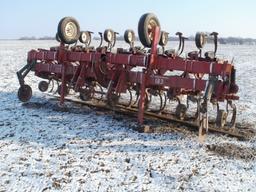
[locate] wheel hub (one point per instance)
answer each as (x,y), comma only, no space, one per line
(70,30)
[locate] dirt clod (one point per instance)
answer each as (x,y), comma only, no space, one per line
(233,151)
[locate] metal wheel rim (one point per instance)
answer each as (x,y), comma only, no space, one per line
(109,36)
(70,30)
(130,37)
(201,39)
(84,37)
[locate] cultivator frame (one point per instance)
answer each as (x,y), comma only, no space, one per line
(143,72)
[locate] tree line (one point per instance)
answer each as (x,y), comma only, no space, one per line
(226,40)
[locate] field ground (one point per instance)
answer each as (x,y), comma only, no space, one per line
(42,149)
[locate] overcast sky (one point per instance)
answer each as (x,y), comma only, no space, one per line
(40,17)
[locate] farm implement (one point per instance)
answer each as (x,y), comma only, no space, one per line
(149,81)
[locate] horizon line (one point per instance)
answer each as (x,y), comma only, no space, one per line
(42,37)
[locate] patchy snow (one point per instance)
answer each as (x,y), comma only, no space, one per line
(42,149)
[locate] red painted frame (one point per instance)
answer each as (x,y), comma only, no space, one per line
(76,66)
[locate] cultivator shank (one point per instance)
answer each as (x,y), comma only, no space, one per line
(145,79)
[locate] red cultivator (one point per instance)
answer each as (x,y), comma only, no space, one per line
(138,79)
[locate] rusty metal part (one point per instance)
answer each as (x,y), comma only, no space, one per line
(241,132)
(233,112)
(221,118)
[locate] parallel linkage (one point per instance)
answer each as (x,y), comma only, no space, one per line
(143,79)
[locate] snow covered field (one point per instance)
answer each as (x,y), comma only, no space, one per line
(84,150)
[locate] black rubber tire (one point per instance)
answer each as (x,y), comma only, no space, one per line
(74,25)
(143,28)
(164,38)
(109,35)
(85,37)
(43,86)
(25,93)
(57,38)
(129,36)
(200,40)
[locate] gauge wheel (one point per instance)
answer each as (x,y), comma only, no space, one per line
(163,38)
(129,36)
(109,35)
(43,86)
(24,93)
(68,30)
(200,39)
(146,26)
(85,37)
